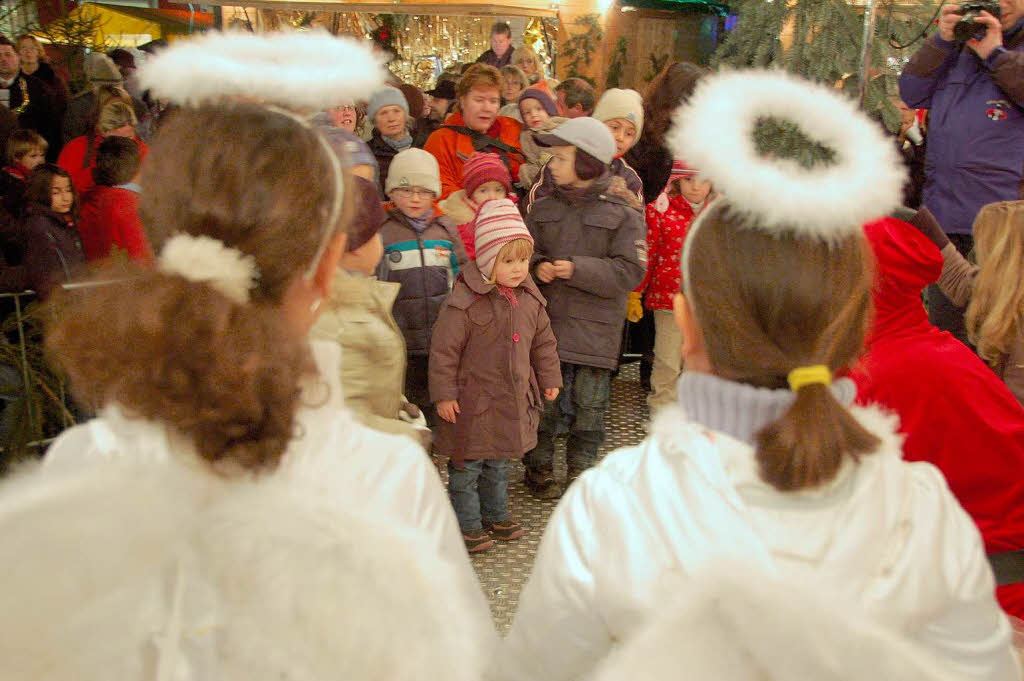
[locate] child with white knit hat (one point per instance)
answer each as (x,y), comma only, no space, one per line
(422,253)
(622,111)
(492,357)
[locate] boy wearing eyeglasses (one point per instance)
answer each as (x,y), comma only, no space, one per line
(422,253)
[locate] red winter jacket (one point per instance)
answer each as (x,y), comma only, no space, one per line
(668,221)
(78,157)
(110,217)
(955,412)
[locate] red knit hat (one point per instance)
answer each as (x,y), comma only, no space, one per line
(497,223)
(680,168)
(484,167)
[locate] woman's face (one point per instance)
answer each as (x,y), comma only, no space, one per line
(528,66)
(343,117)
(511,88)
(390,120)
(480,107)
(29,54)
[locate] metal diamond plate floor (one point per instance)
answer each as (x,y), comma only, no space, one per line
(503,570)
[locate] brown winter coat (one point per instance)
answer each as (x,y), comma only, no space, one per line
(603,234)
(495,360)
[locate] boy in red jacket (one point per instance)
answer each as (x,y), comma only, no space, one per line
(110,209)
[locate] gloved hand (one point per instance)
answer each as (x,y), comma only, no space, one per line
(412,415)
(929,226)
(634,308)
(415,417)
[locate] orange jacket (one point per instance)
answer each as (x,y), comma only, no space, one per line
(451,149)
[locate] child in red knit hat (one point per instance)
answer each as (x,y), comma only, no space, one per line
(493,327)
(668,220)
(484,177)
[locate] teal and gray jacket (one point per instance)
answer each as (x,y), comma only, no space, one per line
(425,263)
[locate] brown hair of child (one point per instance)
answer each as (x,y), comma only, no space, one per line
(23,142)
(768,303)
(224,374)
(39,188)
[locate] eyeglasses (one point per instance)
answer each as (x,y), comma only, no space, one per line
(418,193)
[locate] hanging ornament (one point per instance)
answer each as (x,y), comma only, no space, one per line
(535,38)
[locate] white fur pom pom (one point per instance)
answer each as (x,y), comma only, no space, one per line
(714,132)
(203,258)
(298,70)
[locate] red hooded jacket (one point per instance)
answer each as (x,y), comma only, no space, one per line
(110,218)
(955,413)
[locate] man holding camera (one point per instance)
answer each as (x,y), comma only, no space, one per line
(970,74)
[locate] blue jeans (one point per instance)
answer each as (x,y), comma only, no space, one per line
(479,492)
(586,397)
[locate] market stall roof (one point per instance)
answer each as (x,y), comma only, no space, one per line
(527,8)
(684,6)
(171,20)
(119,23)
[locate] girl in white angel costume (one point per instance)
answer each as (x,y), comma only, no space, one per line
(764,462)
(224,517)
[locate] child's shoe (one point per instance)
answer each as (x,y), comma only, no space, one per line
(506,531)
(477,541)
(542,485)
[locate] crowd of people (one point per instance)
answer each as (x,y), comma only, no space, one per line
(312,311)
(69,190)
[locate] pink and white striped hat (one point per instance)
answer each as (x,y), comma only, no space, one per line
(497,223)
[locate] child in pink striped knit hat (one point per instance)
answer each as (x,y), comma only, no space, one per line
(493,361)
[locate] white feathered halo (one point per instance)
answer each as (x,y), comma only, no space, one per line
(312,70)
(714,132)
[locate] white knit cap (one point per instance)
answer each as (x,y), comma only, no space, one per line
(387,96)
(626,104)
(497,223)
(414,168)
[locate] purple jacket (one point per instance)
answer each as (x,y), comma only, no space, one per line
(976,126)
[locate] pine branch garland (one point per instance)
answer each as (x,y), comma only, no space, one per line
(825,47)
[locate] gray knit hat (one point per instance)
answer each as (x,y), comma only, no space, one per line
(584,133)
(101,69)
(388,96)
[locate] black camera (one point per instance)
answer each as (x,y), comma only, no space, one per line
(966,28)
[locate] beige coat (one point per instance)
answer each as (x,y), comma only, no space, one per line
(536,155)
(358,318)
(957,282)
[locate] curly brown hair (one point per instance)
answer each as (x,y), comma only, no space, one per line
(226,375)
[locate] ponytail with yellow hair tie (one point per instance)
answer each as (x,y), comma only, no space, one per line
(801,376)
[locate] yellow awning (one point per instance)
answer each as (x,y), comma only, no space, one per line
(526,8)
